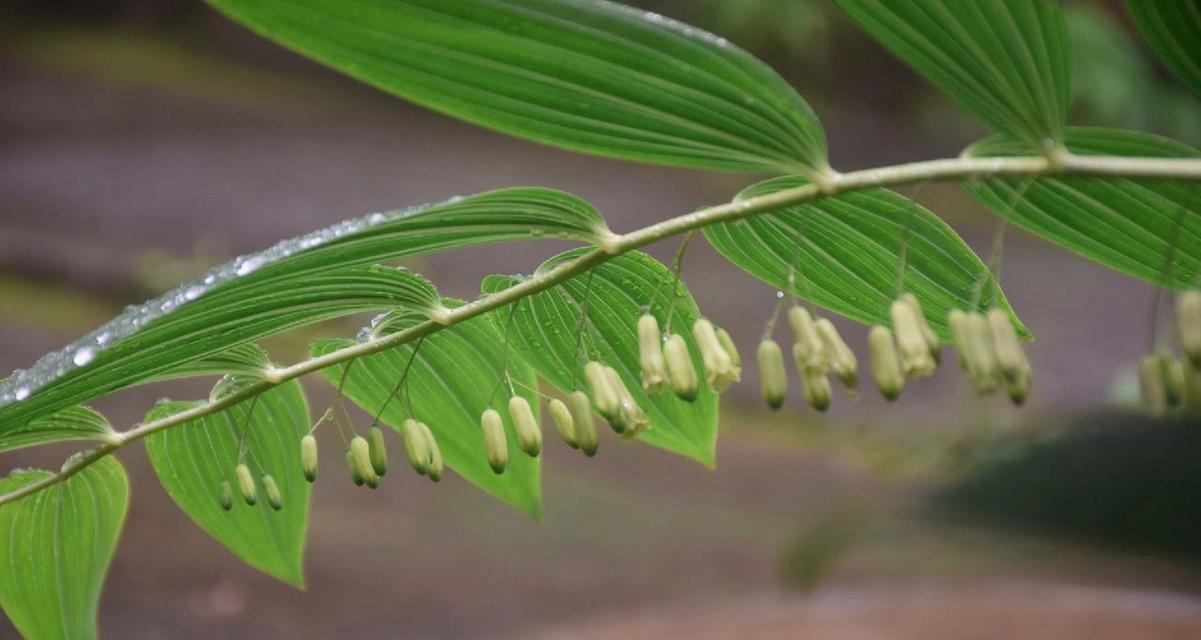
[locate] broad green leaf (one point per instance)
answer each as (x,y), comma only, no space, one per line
(1150,229)
(1173,28)
(596,77)
(247,359)
(314,277)
(457,374)
(544,333)
(844,253)
(73,423)
(57,546)
(192,460)
(1009,62)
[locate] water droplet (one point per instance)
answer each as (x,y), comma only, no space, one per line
(22,393)
(249,265)
(83,356)
(193,292)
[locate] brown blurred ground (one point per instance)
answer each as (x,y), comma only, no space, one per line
(123,169)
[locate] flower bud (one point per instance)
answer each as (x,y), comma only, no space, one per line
(1188,325)
(809,350)
(1011,359)
(719,368)
(416,446)
(650,351)
(308,457)
(817,389)
(604,396)
(957,321)
(1192,388)
(274,497)
(377,450)
(1151,385)
(1173,380)
(911,342)
(360,454)
(681,373)
(226,496)
(773,378)
(731,349)
(561,416)
(933,343)
(529,435)
(494,440)
(633,420)
(355,475)
(1018,387)
(982,356)
(436,465)
(246,484)
(585,425)
(843,363)
(885,365)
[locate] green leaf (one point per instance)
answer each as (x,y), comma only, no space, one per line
(57,546)
(1009,62)
(73,423)
(1150,229)
(1173,28)
(595,77)
(844,253)
(192,460)
(457,374)
(300,281)
(544,333)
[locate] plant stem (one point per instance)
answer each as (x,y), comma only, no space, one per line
(942,170)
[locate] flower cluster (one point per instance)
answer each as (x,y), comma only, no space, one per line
(1168,382)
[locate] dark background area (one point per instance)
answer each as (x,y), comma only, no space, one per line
(143,142)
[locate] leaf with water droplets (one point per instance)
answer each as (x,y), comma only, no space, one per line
(321,275)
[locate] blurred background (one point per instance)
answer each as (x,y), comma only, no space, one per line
(143,141)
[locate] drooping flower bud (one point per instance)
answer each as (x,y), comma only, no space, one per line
(680,371)
(1188,325)
(727,343)
(843,363)
(650,351)
(1151,386)
(360,453)
(885,364)
(719,368)
(911,342)
(226,496)
(416,446)
(495,445)
(933,343)
(246,484)
(1018,387)
(585,425)
(982,355)
(817,388)
(1011,358)
(957,321)
(377,450)
(633,420)
(436,465)
(604,396)
(564,424)
(274,497)
(308,457)
(525,425)
(773,378)
(355,474)
(809,349)
(1192,388)
(1173,379)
